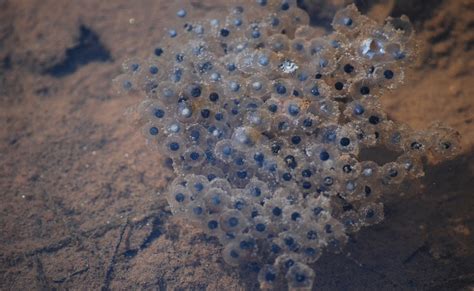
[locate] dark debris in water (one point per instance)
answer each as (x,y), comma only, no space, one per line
(89,48)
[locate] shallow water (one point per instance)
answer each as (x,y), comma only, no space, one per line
(81,205)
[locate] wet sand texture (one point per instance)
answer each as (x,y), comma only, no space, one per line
(80,192)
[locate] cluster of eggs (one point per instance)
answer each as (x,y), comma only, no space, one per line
(263,121)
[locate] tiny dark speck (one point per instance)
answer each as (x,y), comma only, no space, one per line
(88,49)
(42,92)
(7,63)
(13,141)
(130,253)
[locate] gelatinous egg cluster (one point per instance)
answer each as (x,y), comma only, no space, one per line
(270,129)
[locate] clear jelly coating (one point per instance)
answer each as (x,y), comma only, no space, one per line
(274,134)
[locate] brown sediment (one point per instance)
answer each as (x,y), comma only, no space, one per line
(72,171)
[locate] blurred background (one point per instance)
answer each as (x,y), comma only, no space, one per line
(80,203)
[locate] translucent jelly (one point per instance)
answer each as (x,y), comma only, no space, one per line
(265,125)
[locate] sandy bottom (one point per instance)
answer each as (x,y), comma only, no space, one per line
(81,204)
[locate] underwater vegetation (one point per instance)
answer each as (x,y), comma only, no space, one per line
(274,132)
